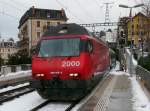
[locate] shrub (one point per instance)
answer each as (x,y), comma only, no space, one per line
(19,58)
(145,62)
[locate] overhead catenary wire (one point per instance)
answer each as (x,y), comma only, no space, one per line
(96,1)
(69,11)
(12,6)
(83,9)
(19,3)
(9,15)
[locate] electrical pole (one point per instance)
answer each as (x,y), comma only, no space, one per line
(107,19)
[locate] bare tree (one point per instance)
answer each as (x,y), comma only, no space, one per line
(146,11)
(146,7)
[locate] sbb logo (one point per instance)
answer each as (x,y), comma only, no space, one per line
(70,63)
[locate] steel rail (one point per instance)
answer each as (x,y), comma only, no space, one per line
(4,97)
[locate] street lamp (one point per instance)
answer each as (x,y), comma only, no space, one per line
(135,6)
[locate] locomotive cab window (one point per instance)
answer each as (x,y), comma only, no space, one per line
(59,47)
(89,46)
(86,46)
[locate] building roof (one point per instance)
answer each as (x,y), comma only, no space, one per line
(139,14)
(37,13)
(8,45)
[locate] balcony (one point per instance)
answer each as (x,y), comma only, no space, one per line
(24,43)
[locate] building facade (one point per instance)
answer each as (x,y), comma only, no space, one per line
(7,48)
(34,22)
(138,30)
(123,31)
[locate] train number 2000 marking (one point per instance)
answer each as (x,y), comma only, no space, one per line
(70,63)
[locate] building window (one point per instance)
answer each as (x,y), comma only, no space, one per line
(48,15)
(137,26)
(8,50)
(48,23)
(38,35)
(9,55)
(38,23)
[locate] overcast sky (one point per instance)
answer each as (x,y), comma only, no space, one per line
(78,11)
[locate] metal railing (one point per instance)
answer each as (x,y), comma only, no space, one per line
(144,75)
(14,68)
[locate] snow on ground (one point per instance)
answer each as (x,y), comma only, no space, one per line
(140,100)
(23,103)
(55,107)
(13,87)
(29,101)
(16,73)
(134,61)
(128,51)
(116,70)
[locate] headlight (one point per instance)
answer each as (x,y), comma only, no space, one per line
(76,74)
(39,75)
(73,74)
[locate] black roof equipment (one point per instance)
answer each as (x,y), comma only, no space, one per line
(66,29)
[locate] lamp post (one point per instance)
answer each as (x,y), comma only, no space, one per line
(131,44)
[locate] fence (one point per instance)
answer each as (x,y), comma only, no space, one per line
(14,68)
(144,74)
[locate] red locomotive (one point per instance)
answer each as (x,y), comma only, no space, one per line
(67,61)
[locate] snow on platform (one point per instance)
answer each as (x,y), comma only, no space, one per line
(139,100)
(13,78)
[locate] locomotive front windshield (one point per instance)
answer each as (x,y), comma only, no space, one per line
(59,47)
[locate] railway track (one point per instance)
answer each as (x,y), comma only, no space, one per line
(11,94)
(44,104)
(71,106)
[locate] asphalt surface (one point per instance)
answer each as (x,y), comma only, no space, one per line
(121,96)
(112,94)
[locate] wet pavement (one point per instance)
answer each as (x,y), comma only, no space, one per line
(114,94)
(121,97)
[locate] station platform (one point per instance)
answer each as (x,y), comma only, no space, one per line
(112,94)
(15,78)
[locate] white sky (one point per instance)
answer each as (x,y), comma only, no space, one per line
(82,11)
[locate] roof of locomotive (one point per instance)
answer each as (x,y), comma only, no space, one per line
(66,29)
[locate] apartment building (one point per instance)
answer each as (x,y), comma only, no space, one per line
(138,29)
(34,22)
(7,48)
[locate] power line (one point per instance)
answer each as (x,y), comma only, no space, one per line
(96,1)
(86,12)
(69,11)
(9,15)
(19,3)
(7,4)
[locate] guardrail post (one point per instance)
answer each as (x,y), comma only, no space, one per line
(13,68)
(3,70)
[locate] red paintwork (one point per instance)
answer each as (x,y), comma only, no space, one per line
(90,63)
